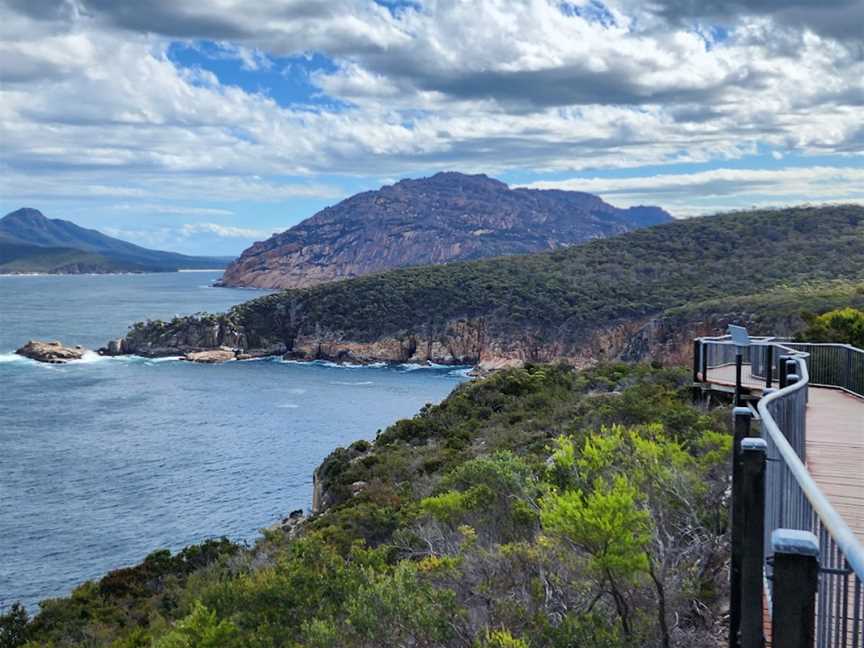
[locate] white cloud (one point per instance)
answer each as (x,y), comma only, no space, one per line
(223,231)
(687,194)
(91,105)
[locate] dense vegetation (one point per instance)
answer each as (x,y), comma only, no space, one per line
(566,294)
(845,325)
(540,507)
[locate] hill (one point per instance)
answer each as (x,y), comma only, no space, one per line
(448,217)
(542,507)
(608,298)
(30,242)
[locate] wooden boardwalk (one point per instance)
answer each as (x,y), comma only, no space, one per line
(835,444)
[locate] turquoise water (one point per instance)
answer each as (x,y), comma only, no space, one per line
(107,459)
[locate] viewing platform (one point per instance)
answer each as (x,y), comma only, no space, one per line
(798,484)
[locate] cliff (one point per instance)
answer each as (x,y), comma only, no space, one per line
(611,298)
(448,217)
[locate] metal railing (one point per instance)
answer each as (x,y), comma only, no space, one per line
(793,500)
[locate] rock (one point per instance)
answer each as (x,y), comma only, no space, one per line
(448,217)
(358,487)
(51,352)
(291,525)
(113,348)
(211,356)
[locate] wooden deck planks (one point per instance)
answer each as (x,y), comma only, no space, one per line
(835,452)
(835,444)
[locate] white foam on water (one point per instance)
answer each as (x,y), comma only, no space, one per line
(6,358)
(464,372)
(288,406)
(333,365)
(350,383)
(90,357)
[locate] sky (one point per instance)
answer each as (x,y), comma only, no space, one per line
(204,126)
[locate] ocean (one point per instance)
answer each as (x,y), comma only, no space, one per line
(107,459)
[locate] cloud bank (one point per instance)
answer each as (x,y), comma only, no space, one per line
(93,106)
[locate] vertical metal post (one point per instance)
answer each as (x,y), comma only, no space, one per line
(769,365)
(697,347)
(752,500)
(791,368)
(741,420)
(738,363)
(704,355)
(783,370)
(796,578)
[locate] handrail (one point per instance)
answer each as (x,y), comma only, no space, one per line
(841,533)
(792,498)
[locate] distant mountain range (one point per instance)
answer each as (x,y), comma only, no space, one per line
(447,217)
(30,242)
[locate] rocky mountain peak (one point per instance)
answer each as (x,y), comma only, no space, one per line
(447,217)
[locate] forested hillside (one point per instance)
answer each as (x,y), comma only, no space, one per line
(582,303)
(542,507)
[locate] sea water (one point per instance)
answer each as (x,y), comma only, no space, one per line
(107,459)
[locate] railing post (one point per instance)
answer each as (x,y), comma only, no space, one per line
(697,347)
(847,378)
(796,578)
(741,421)
(704,356)
(784,359)
(769,365)
(738,366)
(752,501)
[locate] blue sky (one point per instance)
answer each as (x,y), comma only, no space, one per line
(204,127)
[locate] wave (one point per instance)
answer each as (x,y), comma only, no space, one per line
(352,383)
(332,365)
(6,358)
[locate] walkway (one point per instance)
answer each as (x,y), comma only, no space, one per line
(835,443)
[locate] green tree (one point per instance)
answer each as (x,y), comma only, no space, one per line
(611,527)
(844,325)
(200,629)
(13,626)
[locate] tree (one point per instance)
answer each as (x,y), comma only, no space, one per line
(844,325)
(200,629)
(13,626)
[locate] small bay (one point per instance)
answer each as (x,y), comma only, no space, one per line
(107,459)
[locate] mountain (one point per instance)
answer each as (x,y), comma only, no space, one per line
(609,298)
(448,217)
(30,242)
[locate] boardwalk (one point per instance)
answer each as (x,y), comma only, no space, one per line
(835,443)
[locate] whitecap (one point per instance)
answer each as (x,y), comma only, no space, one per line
(351,383)
(13,357)
(464,372)
(288,406)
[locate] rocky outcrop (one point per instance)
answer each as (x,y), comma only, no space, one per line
(51,352)
(448,217)
(213,356)
(181,336)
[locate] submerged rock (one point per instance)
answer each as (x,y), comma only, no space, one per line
(51,352)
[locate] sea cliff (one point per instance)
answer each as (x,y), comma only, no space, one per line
(641,295)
